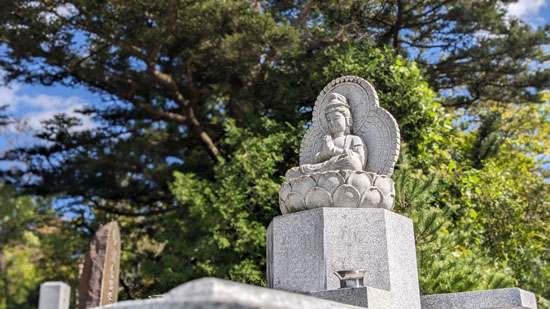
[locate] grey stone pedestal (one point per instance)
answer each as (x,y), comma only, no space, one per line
(363,297)
(212,293)
(305,248)
(501,298)
(54,295)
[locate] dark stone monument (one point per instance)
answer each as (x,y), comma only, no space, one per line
(99,279)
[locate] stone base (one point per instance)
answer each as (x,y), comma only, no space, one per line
(364,297)
(350,189)
(212,293)
(499,298)
(305,248)
(54,295)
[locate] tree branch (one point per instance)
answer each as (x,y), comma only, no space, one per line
(132,49)
(423,45)
(192,121)
(171,25)
(112,210)
(317,43)
(129,95)
(303,13)
(162,78)
(126,288)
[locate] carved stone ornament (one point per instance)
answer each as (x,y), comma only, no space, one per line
(348,153)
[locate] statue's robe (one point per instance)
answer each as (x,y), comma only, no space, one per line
(354,158)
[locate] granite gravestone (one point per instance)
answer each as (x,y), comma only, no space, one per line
(99,279)
(213,293)
(336,204)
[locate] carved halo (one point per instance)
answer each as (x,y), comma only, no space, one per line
(373,124)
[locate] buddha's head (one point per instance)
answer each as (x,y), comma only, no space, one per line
(338,114)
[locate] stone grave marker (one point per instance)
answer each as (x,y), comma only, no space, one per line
(54,295)
(99,279)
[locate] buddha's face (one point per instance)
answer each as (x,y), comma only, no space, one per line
(337,122)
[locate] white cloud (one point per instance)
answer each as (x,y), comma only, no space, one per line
(66,10)
(8,96)
(28,112)
(31,110)
(49,102)
(34,120)
(526,8)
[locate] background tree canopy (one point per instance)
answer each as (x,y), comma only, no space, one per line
(204,104)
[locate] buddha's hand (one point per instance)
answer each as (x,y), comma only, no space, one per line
(328,146)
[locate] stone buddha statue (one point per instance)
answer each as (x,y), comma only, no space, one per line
(340,150)
(336,170)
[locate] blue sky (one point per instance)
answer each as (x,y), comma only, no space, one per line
(31,104)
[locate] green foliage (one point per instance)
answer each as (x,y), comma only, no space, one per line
(400,84)
(32,249)
(507,194)
(487,214)
(19,276)
(219,228)
(204,104)
(450,258)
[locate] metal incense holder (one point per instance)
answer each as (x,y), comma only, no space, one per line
(350,278)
